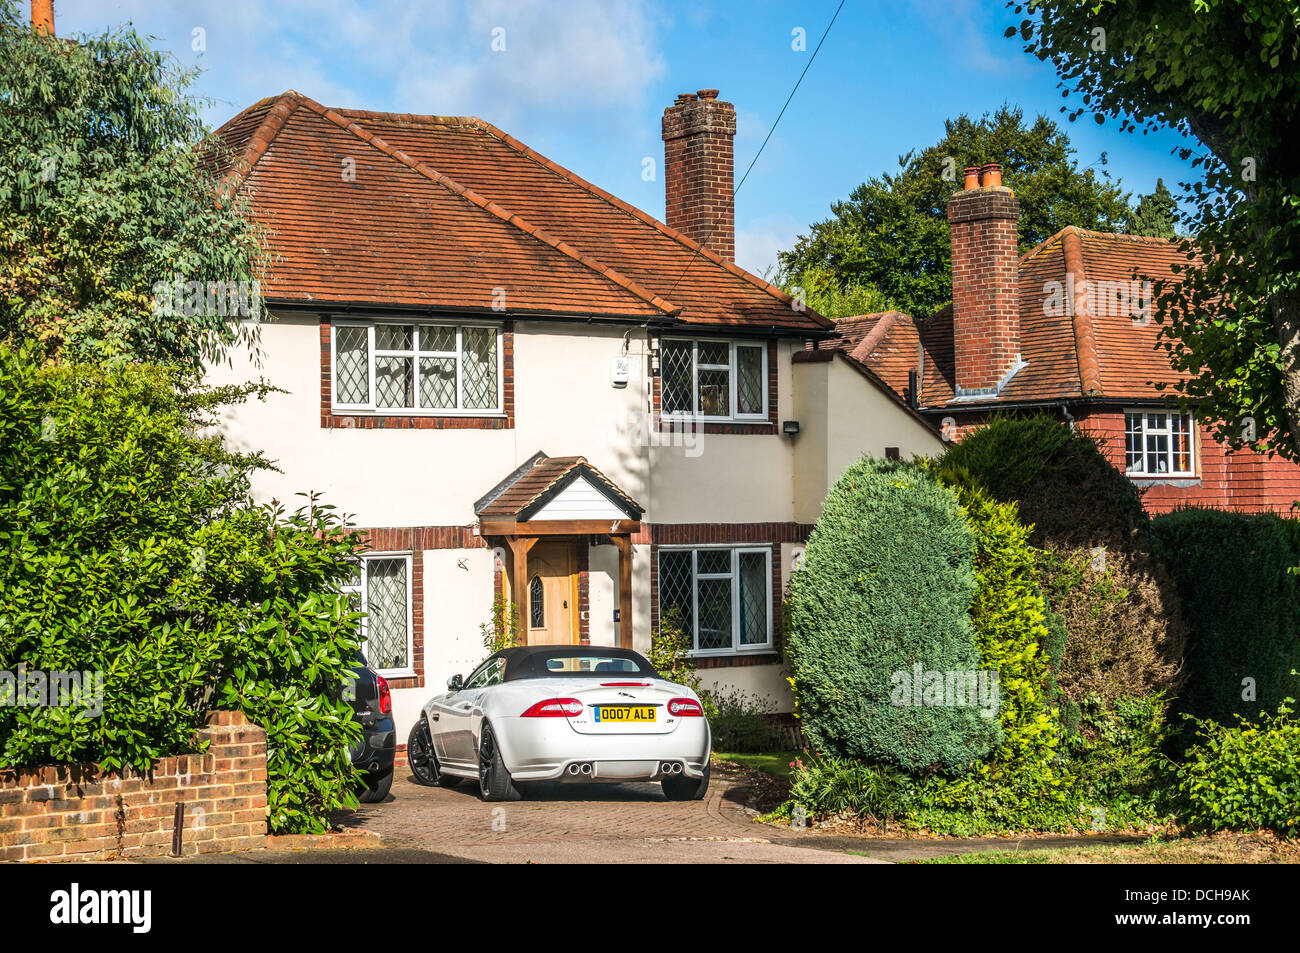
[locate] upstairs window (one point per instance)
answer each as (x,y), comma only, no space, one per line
(713,380)
(1158,443)
(416,368)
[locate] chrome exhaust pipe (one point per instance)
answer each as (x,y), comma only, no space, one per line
(671,767)
(574,769)
(586,768)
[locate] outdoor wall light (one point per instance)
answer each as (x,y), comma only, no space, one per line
(790,427)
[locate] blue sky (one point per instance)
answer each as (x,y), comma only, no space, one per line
(585,81)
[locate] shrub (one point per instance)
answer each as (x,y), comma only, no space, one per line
(1116,754)
(1067,489)
(1244,776)
(1242,604)
(741,722)
(1125,637)
(886,585)
(1126,633)
(1011,633)
(128,547)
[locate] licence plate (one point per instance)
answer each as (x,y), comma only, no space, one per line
(625,713)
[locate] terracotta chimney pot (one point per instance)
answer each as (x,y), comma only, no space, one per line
(991,175)
(43,17)
(972,177)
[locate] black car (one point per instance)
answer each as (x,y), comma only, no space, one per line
(372,704)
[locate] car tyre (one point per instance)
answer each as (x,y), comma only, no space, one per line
(377,786)
(494,781)
(678,787)
(422,760)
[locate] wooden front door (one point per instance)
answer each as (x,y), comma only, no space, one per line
(550,604)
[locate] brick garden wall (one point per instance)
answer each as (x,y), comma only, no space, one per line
(78,812)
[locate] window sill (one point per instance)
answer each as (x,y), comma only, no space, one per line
(371,420)
(1188,480)
(765,656)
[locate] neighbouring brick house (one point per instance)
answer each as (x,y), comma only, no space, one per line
(1065,329)
(522,387)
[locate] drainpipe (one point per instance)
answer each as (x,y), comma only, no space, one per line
(1065,410)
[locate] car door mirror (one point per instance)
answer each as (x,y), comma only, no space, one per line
(454,683)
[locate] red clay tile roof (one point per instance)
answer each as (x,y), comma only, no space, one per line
(443,211)
(1105,351)
(531,485)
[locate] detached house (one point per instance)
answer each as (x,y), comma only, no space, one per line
(1065,329)
(524,389)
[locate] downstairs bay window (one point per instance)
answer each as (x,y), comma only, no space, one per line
(721,597)
(381,588)
(1159,444)
(713,380)
(416,368)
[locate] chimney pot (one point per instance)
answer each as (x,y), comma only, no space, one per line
(685,98)
(43,17)
(991,175)
(972,177)
(708,94)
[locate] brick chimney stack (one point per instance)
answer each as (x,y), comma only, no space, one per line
(699,170)
(985,282)
(43,17)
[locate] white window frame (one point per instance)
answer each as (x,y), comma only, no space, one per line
(362,589)
(415,354)
(736,647)
(1144,415)
(733,388)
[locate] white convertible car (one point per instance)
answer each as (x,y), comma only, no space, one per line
(563,713)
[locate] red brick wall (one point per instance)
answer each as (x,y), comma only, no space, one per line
(1244,481)
(699,170)
(79,812)
(985,285)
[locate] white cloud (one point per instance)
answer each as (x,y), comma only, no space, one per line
(759,239)
(423,56)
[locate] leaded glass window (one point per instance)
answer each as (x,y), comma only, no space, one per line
(417,368)
(381,588)
(719,380)
(721,597)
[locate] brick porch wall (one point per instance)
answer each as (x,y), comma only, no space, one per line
(78,812)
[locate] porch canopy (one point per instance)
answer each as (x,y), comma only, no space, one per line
(549,498)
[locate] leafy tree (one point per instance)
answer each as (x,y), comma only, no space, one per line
(1228,74)
(129,547)
(1155,215)
(108,188)
(817,287)
(891,234)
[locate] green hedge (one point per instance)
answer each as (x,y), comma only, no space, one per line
(129,547)
(886,584)
(1242,606)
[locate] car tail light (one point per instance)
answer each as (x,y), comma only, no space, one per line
(624,684)
(385,696)
(685,708)
(555,708)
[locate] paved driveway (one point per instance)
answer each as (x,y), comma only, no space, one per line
(601,823)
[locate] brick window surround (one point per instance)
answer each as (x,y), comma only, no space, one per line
(772,426)
(726,534)
(398,421)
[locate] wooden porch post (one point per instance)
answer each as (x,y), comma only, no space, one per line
(624,544)
(519,546)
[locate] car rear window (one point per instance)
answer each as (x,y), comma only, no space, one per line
(568,663)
